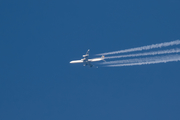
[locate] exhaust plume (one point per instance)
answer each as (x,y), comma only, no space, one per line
(145,61)
(148,47)
(147,53)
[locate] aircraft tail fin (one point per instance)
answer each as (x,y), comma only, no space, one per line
(103,58)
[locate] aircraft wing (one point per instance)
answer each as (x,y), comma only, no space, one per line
(77,61)
(88,51)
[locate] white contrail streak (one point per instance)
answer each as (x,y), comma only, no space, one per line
(153,60)
(135,60)
(147,53)
(165,44)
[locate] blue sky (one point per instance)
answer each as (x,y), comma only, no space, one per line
(38,38)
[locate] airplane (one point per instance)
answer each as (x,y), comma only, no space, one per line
(86,59)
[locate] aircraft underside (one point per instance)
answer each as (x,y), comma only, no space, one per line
(88,63)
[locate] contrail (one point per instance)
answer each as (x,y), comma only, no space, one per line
(147,53)
(165,44)
(136,60)
(153,60)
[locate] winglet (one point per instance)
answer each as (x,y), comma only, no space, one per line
(88,51)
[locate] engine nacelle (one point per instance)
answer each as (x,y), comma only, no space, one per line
(85,55)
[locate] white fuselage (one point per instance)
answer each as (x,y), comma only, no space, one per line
(87,61)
